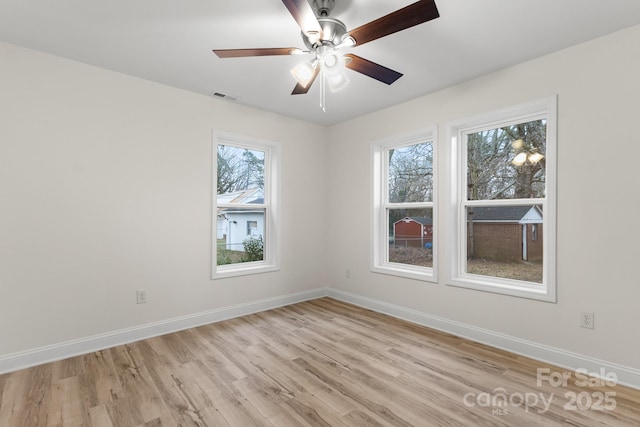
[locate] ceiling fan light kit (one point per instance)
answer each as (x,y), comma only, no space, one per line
(325,37)
(304,72)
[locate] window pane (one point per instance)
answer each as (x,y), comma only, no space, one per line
(240,175)
(411,236)
(505,241)
(411,173)
(507,162)
(239,235)
(240,231)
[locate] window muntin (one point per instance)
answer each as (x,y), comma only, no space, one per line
(505,203)
(404,220)
(244,208)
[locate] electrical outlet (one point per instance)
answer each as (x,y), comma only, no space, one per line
(141,297)
(587,320)
(348,274)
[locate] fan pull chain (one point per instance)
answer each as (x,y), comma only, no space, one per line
(323,96)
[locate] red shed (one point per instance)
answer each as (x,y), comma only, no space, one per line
(416,232)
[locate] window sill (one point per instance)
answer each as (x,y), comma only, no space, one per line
(244,269)
(515,288)
(424,274)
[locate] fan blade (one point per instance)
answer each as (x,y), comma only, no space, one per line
(371,69)
(238,53)
(304,15)
(407,17)
(302,90)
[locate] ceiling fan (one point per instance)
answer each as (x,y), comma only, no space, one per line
(325,36)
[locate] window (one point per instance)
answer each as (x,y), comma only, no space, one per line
(252,229)
(404,212)
(503,199)
(244,206)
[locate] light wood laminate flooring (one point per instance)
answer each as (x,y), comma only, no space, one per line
(316,363)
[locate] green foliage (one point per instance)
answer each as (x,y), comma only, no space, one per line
(224,258)
(254,248)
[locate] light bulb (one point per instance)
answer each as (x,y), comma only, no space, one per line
(535,157)
(313,36)
(520,159)
(333,64)
(337,82)
(517,144)
(304,73)
(346,42)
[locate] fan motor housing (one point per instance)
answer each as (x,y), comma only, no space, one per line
(333,31)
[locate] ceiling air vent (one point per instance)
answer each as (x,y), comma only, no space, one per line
(223,96)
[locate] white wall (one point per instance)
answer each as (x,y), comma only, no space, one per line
(598,238)
(105,188)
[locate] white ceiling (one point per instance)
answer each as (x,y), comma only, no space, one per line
(170,42)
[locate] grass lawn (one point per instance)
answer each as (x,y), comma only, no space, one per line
(411,255)
(521,270)
(226,256)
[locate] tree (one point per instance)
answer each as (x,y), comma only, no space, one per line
(239,169)
(491,171)
(494,170)
(411,173)
(530,176)
(410,178)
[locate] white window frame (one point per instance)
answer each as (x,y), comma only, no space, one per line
(271,206)
(456,274)
(381,206)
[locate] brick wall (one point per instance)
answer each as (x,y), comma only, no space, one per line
(498,242)
(534,247)
(503,242)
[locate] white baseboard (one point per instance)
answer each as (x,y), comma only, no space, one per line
(555,356)
(38,356)
(565,359)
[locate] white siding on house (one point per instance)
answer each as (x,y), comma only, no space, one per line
(233,225)
(533,216)
(237,228)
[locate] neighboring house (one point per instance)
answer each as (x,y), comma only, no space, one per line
(236,225)
(506,233)
(416,232)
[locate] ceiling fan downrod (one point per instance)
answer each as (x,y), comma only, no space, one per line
(323,8)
